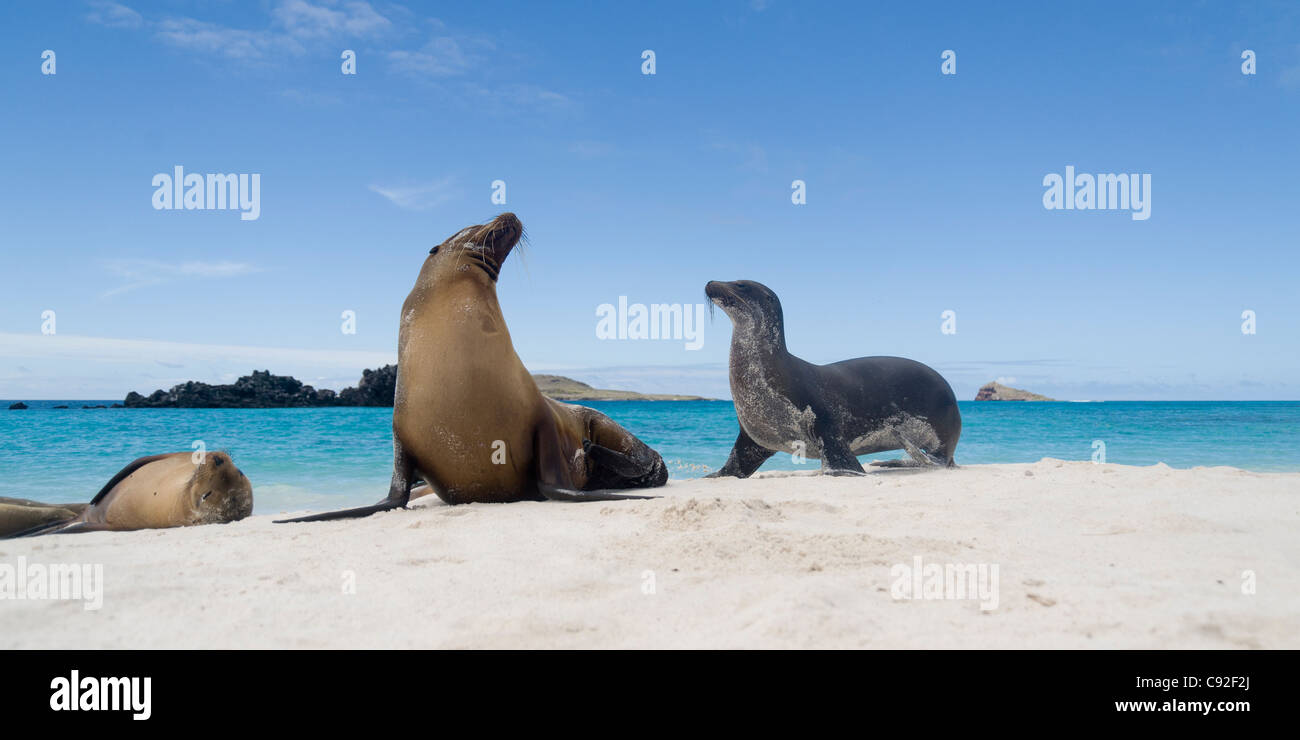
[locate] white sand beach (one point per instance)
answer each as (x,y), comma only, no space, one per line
(1087,556)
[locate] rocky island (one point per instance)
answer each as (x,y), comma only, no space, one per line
(995,391)
(376,388)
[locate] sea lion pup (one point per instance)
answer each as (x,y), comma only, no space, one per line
(162,491)
(468,417)
(829,412)
(19,514)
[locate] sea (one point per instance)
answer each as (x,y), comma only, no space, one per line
(337,457)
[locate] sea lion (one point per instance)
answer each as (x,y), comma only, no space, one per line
(468,417)
(834,412)
(163,491)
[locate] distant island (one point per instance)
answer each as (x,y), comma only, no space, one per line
(376,388)
(995,391)
(567,389)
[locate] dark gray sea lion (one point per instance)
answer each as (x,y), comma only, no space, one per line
(468,417)
(834,412)
(162,491)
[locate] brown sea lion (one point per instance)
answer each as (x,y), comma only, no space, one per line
(468,417)
(163,491)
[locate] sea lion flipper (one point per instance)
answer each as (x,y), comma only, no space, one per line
(900,463)
(71,526)
(399,493)
(838,459)
(918,453)
(555,493)
(746,457)
(616,461)
(357,513)
(130,468)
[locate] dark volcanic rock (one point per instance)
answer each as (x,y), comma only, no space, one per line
(377,388)
(264,390)
(20,406)
(259,390)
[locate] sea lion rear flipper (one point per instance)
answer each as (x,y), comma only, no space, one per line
(616,461)
(900,463)
(65,527)
(838,459)
(917,453)
(554,479)
(555,493)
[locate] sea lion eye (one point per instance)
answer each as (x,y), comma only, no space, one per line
(205,496)
(434,250)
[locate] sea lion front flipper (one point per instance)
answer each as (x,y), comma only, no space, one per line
(122,474)
(399,493)
(746,457)
(361,511)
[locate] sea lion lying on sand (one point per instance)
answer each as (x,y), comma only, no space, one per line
(156,492)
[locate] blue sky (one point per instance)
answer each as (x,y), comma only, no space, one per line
(924,191)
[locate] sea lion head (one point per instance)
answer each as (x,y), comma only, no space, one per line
(218,491)
(480,249)
(751,306)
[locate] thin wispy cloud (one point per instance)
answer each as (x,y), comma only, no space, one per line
(236,43)
(460,61)
(441,57)
(114,15)
(591,149)
(144,273)
(292,25)
(302,19)
(419,197)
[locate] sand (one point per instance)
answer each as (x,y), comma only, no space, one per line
(1087,556)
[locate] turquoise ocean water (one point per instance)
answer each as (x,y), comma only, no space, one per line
(327,458)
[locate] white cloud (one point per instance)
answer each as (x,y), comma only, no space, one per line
(441,57)
(303,20)
(140,273)
(114,15)
(419,197)
(293,22)
(236,43)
